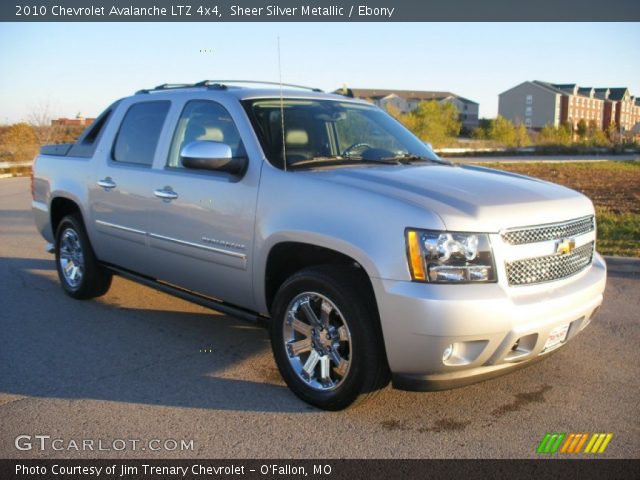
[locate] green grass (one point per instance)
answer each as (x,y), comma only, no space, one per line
(618,233)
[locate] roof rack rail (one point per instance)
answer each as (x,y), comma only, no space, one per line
(165,86)
(219,85)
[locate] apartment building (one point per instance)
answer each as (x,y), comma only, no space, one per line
(627,109)
(405,101)
(536,104)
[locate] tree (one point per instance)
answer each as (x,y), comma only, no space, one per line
(502,131)
(582,128)
(599,138)
(565,134)
(392,110)
(18,143)
(433,122)
(551,135)
(40,118)
(479,133)
(522,136)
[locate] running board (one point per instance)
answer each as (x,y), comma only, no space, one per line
(190,296)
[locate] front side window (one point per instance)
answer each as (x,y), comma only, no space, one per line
(204,120)
(139,133)
(329,132)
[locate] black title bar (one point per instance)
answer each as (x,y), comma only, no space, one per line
(319,11)
(316,469)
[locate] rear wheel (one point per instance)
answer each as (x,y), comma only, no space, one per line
(326,337)
(80,274)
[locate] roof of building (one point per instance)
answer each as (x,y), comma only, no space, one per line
(617,93)
(376,93)
(602,93)
(549,86)
(570,88)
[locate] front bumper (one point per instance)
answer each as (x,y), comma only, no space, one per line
(483,322)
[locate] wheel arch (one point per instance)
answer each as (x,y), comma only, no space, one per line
(288,256)
(61,207)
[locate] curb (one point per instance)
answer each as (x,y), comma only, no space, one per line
(541,159)
(623,264)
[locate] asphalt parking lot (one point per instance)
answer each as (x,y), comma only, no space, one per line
(141,365)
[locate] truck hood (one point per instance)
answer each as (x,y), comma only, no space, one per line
(469,198)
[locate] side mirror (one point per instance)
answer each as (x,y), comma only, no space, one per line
(209,155)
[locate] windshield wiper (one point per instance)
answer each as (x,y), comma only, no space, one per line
(337,160)
(409,158)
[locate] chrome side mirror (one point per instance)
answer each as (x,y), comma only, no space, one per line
(210,155)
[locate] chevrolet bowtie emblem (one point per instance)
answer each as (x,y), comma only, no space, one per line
(566,245)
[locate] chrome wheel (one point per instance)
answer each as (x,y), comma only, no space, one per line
(71,258)
(317,341)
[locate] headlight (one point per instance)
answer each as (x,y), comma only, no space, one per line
(449,257)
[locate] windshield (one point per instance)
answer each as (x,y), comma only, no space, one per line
(332,133)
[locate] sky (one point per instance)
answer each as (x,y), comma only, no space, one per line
(82,67)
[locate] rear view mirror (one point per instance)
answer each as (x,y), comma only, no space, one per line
(209,155)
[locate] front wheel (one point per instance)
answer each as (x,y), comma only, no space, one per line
(80,274)
(326,337)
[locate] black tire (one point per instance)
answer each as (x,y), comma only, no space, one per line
(347,290)
(93,280)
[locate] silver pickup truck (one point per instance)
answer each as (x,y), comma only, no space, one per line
(369,256)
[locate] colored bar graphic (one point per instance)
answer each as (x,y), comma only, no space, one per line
(572,443)
(606,442)
(543,443)
(591,442)
(556,445)
(566,444)
(584,439)
(551,442)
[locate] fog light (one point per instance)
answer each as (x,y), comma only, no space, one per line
(446,355)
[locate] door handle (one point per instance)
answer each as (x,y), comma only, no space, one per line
(107,183)
(165,193)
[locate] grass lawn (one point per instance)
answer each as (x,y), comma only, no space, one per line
(614,188)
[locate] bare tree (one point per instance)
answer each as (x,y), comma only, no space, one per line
(39,118)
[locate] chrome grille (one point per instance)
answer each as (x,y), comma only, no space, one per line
(551,231)
(550,267)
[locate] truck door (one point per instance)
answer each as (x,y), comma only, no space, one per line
(201,223)
(120,196)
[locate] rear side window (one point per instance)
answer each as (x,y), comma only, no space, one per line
(96,129)
(139,133)
(86,144)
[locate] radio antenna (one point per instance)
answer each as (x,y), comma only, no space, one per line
(284,150)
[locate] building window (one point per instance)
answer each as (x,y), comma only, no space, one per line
(527,122)
(529,99)
(527,111)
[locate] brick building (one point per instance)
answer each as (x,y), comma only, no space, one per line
(538,103)
(79,121)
